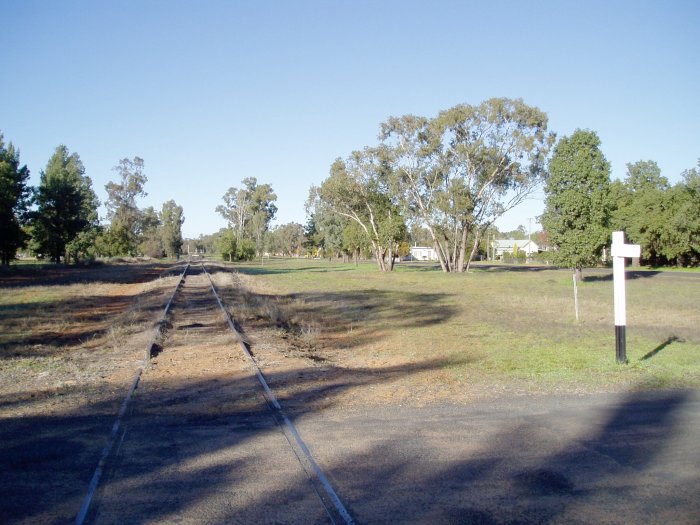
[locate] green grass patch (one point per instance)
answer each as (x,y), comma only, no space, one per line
(510,326)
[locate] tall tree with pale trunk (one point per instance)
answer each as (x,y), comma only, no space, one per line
(461,171)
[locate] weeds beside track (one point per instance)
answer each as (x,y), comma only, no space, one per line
(193,312)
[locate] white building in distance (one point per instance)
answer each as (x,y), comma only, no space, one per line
(502,246)
(423,253)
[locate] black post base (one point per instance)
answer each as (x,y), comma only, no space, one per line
(621,344)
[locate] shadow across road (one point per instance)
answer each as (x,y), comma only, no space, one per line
(174,456)
(540,460)
(626,458)
(600,459)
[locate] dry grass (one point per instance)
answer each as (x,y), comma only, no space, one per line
(68,336)
(509,330)
(251,302)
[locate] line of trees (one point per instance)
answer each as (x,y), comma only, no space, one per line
(454,175)
(583,206)
(287,240)
(663,218)
(442,182)
(59,219)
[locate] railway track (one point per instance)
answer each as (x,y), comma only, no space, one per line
(200,436)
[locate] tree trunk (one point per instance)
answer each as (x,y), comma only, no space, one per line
(438,250)
(391,256)
(441,256)
(456,249)
(379,255)
(461,267)
(477,238)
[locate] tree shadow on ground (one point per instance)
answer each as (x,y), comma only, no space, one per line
(53,327)
(47,461)
(55,274)
(562,462)
(267,270)
(350,318)
(527,467)
(629,274)
(57,327)
(514,268)
(525,461)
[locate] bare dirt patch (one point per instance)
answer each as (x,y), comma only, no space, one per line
(70,342)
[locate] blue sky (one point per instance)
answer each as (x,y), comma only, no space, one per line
(211,92)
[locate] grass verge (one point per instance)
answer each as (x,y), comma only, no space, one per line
(505,329)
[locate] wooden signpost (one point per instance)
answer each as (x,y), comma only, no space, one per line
(619,252)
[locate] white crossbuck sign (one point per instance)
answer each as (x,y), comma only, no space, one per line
(621,251)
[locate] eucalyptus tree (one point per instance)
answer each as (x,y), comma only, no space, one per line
(249,210)
(122,211)
(355,241)
(358,190)
(14,199)
(171,220)
(287,239)
(66,205)
(324,231)
(149,233)
(459,172)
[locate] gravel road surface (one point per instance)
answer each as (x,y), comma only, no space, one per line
(595,459)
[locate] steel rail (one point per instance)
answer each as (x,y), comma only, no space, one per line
(306,459)
(106,451)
